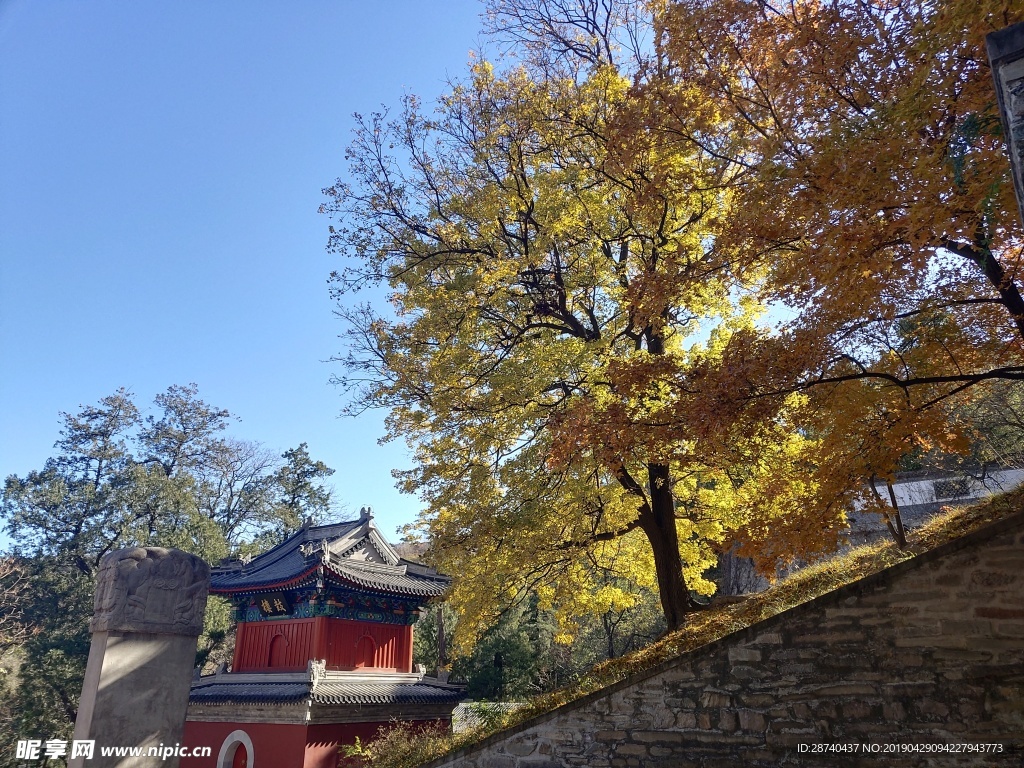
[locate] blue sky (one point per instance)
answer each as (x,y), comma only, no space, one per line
(161,165)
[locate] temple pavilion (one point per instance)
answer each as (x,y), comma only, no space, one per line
(323,651)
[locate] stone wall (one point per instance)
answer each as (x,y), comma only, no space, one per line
(930,651)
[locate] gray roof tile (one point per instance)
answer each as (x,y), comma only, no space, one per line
(221,693)
(390,578)
(299,554)
(334,692)
(326,692)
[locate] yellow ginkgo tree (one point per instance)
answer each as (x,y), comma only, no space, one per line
(544,297)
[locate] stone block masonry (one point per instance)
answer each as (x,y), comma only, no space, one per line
(930,651)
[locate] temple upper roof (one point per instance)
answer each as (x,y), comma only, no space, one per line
(352,554)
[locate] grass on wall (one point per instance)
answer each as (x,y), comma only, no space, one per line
(403,746)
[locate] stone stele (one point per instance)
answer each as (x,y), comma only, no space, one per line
(148,615)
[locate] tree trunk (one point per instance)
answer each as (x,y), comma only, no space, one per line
(896,526)
(658,522)
(609,634)
(894,520)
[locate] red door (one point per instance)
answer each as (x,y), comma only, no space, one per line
(365,650)
(278,652)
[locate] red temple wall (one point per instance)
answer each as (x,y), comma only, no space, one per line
(363,644)
(322,742)
(274,744)
(288,644)
(257,645)
(277,745)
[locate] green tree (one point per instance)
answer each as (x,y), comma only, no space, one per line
(432,636)
(301,492)
(536,654)
(506,661)
(118,479)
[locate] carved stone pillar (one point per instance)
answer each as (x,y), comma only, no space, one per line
(148,615)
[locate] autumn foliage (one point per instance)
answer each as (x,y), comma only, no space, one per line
(653,302)
(875,194)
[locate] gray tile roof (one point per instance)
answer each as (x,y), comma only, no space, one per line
(283,562)
(329,691)
(334,692)
(222,693)
(398,578)
(354,553)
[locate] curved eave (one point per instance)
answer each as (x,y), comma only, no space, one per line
(342,578)
(293,581)
(247,697)
(351,581)
(386,698)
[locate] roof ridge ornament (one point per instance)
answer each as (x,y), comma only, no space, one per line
(310,548)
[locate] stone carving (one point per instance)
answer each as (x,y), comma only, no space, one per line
(317,669)
(1013,98)
(151,589)
(310,548)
